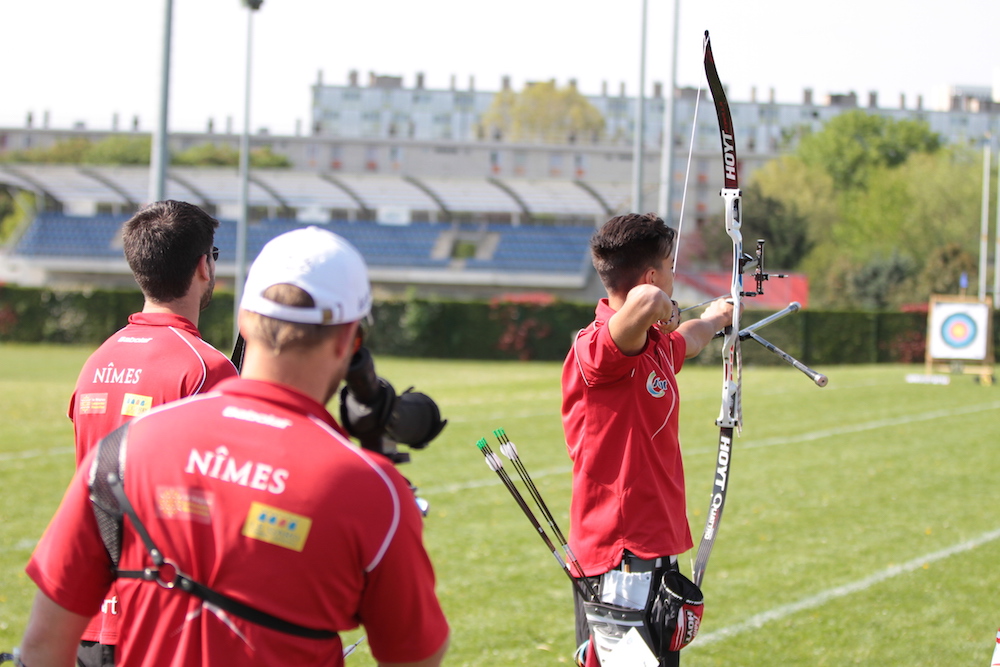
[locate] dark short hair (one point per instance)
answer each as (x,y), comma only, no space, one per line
(626,246)
(163,243)
(280,335)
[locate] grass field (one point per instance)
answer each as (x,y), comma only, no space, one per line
(862,525)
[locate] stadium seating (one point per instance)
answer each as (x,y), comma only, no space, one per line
(538,249)
(520,249)
(58,235)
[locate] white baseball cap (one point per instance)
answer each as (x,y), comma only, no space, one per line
(318,261)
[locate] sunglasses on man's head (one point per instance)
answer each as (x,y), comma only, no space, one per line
(214,252)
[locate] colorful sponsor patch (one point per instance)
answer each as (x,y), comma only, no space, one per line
(656,387)
(136,404)
(184,504)
(277,527)
(93,404)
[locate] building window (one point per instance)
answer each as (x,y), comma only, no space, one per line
(520,162)
(555,164)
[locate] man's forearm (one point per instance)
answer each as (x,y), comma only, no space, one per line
(698,334)
(52,635)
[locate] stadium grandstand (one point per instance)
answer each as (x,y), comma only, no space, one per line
(457,237)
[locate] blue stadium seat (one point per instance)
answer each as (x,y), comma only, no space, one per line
(58,235)
(521,249)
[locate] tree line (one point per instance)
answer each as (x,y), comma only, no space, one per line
(877,212)
(125,149)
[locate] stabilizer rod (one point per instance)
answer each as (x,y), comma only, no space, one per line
(815,376)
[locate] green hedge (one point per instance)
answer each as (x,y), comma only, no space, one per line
(476,329)
(59,316)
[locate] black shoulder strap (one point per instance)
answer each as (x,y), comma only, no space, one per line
(107,494)
(109,515)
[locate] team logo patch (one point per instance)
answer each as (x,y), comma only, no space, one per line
(93,404)
(656,387)
(277,527)
(136,404)
(184,504)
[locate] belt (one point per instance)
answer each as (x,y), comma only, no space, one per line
(632,563)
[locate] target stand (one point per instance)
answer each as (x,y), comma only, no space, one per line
(960,337)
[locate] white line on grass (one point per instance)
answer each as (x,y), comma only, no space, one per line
(21,545)
(35,453)
(758,620)
(490,481)
(857,428)
(768,442)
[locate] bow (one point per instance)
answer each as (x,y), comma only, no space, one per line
(731,414)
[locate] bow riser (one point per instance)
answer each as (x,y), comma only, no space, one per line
(730,415)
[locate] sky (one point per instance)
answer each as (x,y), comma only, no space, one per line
(87,61)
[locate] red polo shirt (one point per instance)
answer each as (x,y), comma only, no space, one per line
(620,417)
(254,491)
(155,359)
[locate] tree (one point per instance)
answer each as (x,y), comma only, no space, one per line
(776,221)
(883,282)
(942,274)
(15,209)
(224,155)
(871,204)
(70,151)
(854,144)
(931,201)
(264,158)
(207,155)
(543,112)
(788,204)
(119,149)
(135,149)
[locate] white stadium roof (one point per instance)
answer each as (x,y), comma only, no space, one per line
(79,187)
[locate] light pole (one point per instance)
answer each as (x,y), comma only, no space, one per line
(667,155)
(159,155)
(984,228)
(640,122)
(241,224)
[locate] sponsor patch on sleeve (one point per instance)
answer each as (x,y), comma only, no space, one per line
(184,504)
(93,404)
(277,527)
(134,405)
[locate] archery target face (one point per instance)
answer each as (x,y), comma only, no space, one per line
(959,331)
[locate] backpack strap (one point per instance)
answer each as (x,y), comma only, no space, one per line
(109,515)
(111,505)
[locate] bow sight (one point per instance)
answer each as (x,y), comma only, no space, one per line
(756,262)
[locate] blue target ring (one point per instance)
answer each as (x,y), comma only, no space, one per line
(958,330)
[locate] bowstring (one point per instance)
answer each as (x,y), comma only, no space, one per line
(687,172)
